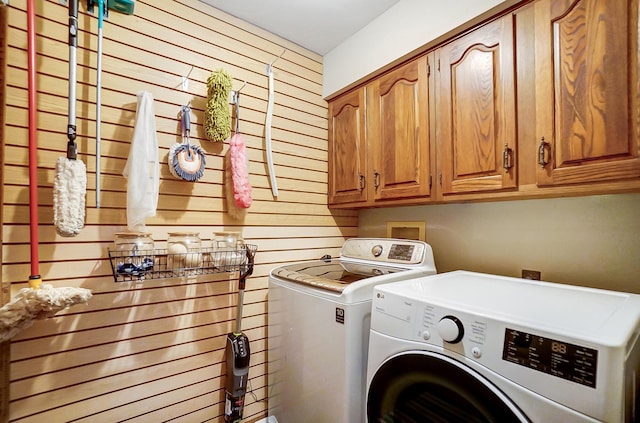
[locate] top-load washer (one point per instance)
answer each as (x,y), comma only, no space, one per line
(318,321)
(470,347)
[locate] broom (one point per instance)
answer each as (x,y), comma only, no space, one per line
(40,300)
(70,181)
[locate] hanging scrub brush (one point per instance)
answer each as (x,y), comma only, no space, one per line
(217,118)
(186,161)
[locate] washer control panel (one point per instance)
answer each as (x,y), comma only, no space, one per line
(562,359)
(388,250)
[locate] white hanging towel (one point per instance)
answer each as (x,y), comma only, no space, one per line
(143,167)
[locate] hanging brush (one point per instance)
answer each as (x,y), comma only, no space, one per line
(186,161)
(239,189)
(217,118)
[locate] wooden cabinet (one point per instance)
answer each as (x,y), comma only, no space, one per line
(398,132)
(347,149)
(587,108)
(542,101)
(477,141)
(382,155)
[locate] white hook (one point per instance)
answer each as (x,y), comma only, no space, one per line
(269,65)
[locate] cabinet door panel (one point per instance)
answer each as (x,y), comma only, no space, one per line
(477,110)
(398,131)
(347,150)
(587,105)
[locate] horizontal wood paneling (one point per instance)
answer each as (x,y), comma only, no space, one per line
(153,351)
(5,351)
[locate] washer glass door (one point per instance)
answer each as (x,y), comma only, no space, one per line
(430,387)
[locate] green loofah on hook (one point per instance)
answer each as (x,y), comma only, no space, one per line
(217,117)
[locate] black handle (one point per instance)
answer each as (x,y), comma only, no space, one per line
(247,270)
(73,23)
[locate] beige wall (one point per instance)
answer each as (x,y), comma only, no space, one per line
(154,350)
(591,241)
(406,26)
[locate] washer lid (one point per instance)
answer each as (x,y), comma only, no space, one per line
(603,316)
(334,275)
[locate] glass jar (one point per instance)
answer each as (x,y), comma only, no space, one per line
(227,250)
(227,241)
(134,243)
(190,240)
(184,250)
(136,253)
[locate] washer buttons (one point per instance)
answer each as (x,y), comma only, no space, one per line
(426,335)
(476,352)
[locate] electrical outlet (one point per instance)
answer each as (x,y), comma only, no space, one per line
(531,274)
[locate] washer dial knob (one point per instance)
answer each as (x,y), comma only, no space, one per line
(376,250)
(450,329)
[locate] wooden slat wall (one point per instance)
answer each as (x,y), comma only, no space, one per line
(153,351)
(4,287)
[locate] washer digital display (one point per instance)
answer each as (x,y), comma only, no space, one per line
(561,359)
(401,252)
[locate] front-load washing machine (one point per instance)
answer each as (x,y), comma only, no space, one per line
(318,322)
(470,347)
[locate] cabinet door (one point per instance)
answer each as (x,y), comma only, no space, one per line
(347,149)
(587,91)
(398,132)
(477,132)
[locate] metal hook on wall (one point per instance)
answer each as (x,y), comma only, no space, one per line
(185,80)
(269,65)
(236,93)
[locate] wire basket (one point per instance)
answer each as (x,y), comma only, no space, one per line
(160,264)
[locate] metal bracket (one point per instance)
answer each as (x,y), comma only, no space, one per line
(91,3)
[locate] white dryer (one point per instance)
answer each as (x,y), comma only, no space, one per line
(470,347)
(318,321)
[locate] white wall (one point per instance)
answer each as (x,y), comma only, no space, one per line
(403,28)
(590,241)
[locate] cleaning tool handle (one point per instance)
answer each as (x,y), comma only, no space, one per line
(33,146)
(101,7)
(186,119)
(73,23)
(237,112)
(73,41)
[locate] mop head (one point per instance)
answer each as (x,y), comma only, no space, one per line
(217,117)
(37,303)
(186,162)
(69,191)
